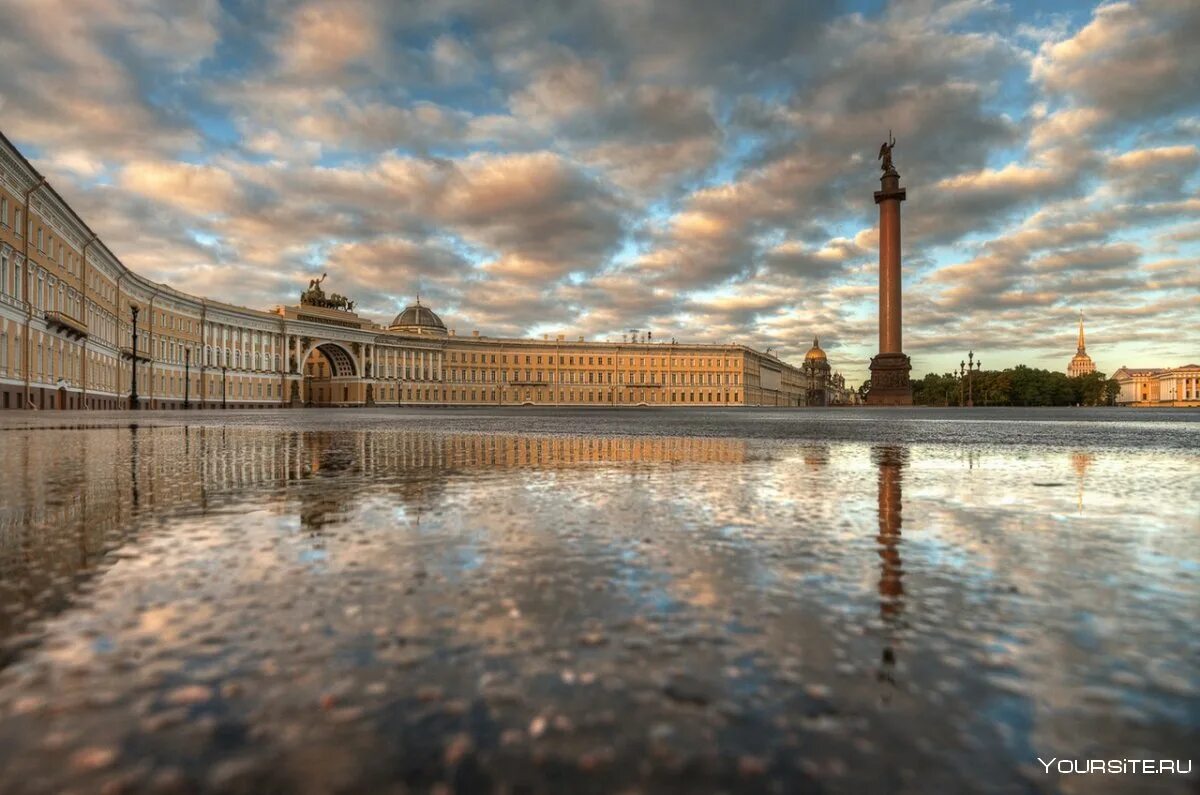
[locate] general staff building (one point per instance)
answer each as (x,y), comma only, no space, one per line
(67,341)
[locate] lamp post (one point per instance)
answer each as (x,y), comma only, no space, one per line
(187,376)
(972,367)
(133,395)
(962,375)
(224,369)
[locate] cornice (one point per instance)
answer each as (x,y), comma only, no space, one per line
(17,176)
(60,218)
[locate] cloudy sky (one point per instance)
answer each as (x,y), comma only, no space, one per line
(700,168)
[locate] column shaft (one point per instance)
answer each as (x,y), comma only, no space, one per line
(889,276)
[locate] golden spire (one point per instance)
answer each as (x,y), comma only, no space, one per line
(1080,345)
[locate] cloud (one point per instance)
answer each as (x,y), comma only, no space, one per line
(704,170)
(75,75)
(199,189)
(1090,259)
(1155,174)
(535,207)
(1132,60)
(323,39)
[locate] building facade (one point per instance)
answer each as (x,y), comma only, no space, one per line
(1081,363)
(1158,386)
(67,341)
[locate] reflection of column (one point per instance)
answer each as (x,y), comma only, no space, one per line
(891,461)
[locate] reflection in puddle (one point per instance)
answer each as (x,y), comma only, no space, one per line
(320,609)
(891,461)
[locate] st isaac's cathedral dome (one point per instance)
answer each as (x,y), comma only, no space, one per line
(814,353)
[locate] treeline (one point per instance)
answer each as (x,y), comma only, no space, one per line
(1017,386)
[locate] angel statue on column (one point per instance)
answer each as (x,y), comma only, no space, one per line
(885,153)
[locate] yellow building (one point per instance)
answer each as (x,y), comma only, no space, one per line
(67,341)
(1158,386)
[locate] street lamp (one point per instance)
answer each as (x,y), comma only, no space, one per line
(133,395)
(973,366)
(187,375)
(965,379)
(224,370)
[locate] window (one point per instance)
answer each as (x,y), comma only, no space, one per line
(4,211)
(17,221)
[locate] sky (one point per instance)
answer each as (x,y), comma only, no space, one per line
(698,168)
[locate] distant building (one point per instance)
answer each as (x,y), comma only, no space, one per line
(1081,363)
(1159,386)
(822,386)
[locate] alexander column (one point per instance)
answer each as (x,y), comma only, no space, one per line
(890,385)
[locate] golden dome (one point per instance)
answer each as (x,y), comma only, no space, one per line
(815,353)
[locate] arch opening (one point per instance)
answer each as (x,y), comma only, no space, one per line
(330,377)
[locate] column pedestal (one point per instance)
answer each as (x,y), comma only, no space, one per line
(890,385)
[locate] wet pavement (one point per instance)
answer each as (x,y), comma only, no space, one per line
(562,601)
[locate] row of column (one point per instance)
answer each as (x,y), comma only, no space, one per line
(426,364)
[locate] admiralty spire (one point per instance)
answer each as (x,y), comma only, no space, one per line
(1081,363)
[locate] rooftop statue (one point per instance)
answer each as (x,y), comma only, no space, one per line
(315,296)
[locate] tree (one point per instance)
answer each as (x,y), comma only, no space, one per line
(1016,386)
(1112,391)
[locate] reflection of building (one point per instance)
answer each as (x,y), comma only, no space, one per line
(66,341)
(89,485)
(822,386)
(1081,363)
(1158,386)
(1081,461)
